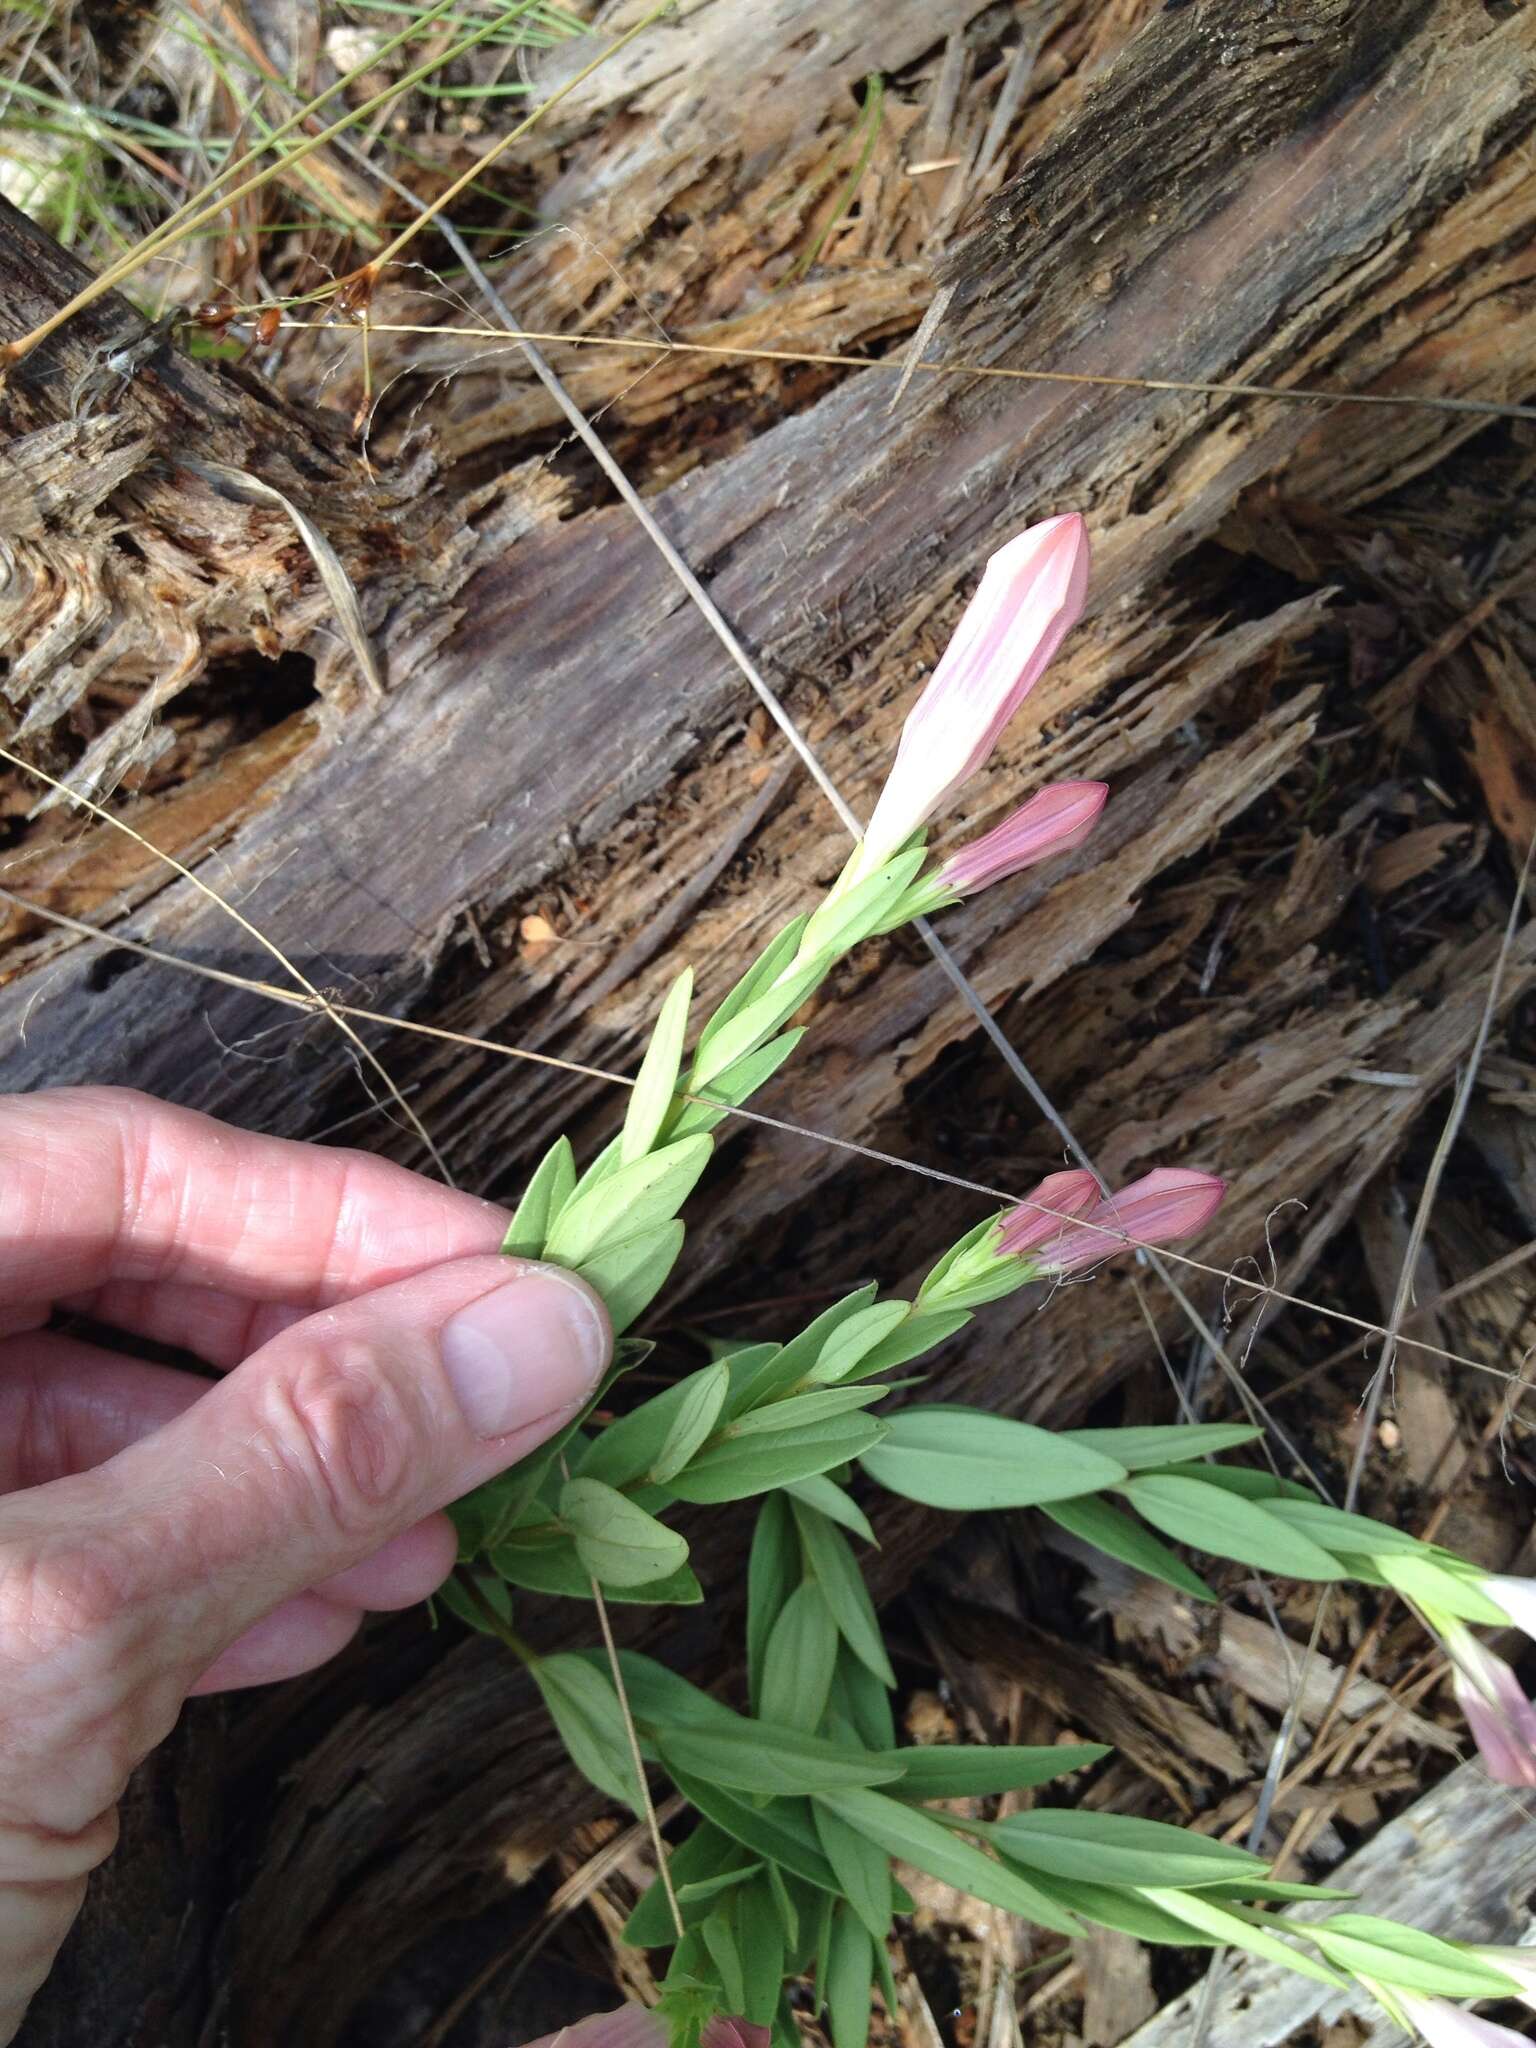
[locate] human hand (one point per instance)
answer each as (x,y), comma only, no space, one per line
(162,1534)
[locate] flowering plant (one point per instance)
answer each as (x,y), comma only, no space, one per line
(804,1802)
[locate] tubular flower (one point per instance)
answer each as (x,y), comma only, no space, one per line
(1055,820)
(1168,1203)
(1445,2025)
(1501,1718)
(1031,595)
(1047,1209)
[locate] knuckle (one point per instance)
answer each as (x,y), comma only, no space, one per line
(347,1434)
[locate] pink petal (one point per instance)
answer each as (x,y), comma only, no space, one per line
(631,2026)
(1502,1720)
(1445,2025)
(1169,1203)
(721,2032)
(1044,1210)
(1030,597)
(1060,817)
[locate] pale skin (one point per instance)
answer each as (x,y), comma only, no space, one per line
(164,1534)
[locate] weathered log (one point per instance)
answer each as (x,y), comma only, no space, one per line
(543,695)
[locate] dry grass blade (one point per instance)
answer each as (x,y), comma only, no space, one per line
(250,490)
(311,998)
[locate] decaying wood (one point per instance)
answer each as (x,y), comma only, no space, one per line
(1460,1862)
(1328,199)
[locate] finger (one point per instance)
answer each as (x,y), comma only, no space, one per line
(66,1405)
(337,1436)
(103,1184)
(216,1326)
(299,1636)
(410,1567)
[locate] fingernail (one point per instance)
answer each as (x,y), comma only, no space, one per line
(535,1345)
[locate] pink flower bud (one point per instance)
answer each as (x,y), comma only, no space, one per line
(721,2032)
(1445,2025)
(1168,1203)
(1030,596)
(1501,1718)
(1046,1209)
(1060,817)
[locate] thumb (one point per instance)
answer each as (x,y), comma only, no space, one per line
(335,1436)
(120,1585)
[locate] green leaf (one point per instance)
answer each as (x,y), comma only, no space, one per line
(960,1771)
(768,1760)
(777,954)
(556,1568)
(1337,1531)
(800,1410)
(1107,1529)
(656,1082)
(863,1868)
(1240,1479)
(585,1709)
(863,1701)
(738,1083)
(707,1855)
(1128,1912)
(720,1940)
(829,1499)
(660,1697)
(492,1590)
(836,1571)
(760,1940)
(785,1907)
(1239,1931)
(757,1021)
(850,1966)
(852,1341)
(543,1199)
(632,1272)
(734,1470)
(1117,1848)
(773,1572)
(1161,1444)
(618,1542)
(1248,1890)
(917,1837)
(780,1829)
(711,1887)
(696,1416)
(914,1338)
(774,1372)
(628,1449)
(846,917)
(630,1199)
(962,1459)
(1398,1955)
(1422,1580)
(799,1661)
(933,1285)
(1190,1511)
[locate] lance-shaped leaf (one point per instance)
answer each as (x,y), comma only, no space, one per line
(1117,1535)
(773,1573)
(1119,1848)
(585,1708)
(1159,1444)
(735,1084)
(779,1829)
(919,1838)
(944,1770)
(630,1273)
(1241,1929)
(836,1571)
(555,1567)
(707,1858)
(766,968)
(734,1470)
(543,1199)
(697,1413)
(628,1200)
(1212,1519)
(1369,1947)
(618,1542)
(656,1083)
(846,1989)
(799,1661)
(962,1459)
(767,1760)
(863,1868)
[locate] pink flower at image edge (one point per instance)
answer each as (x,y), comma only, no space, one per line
(1055,819)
